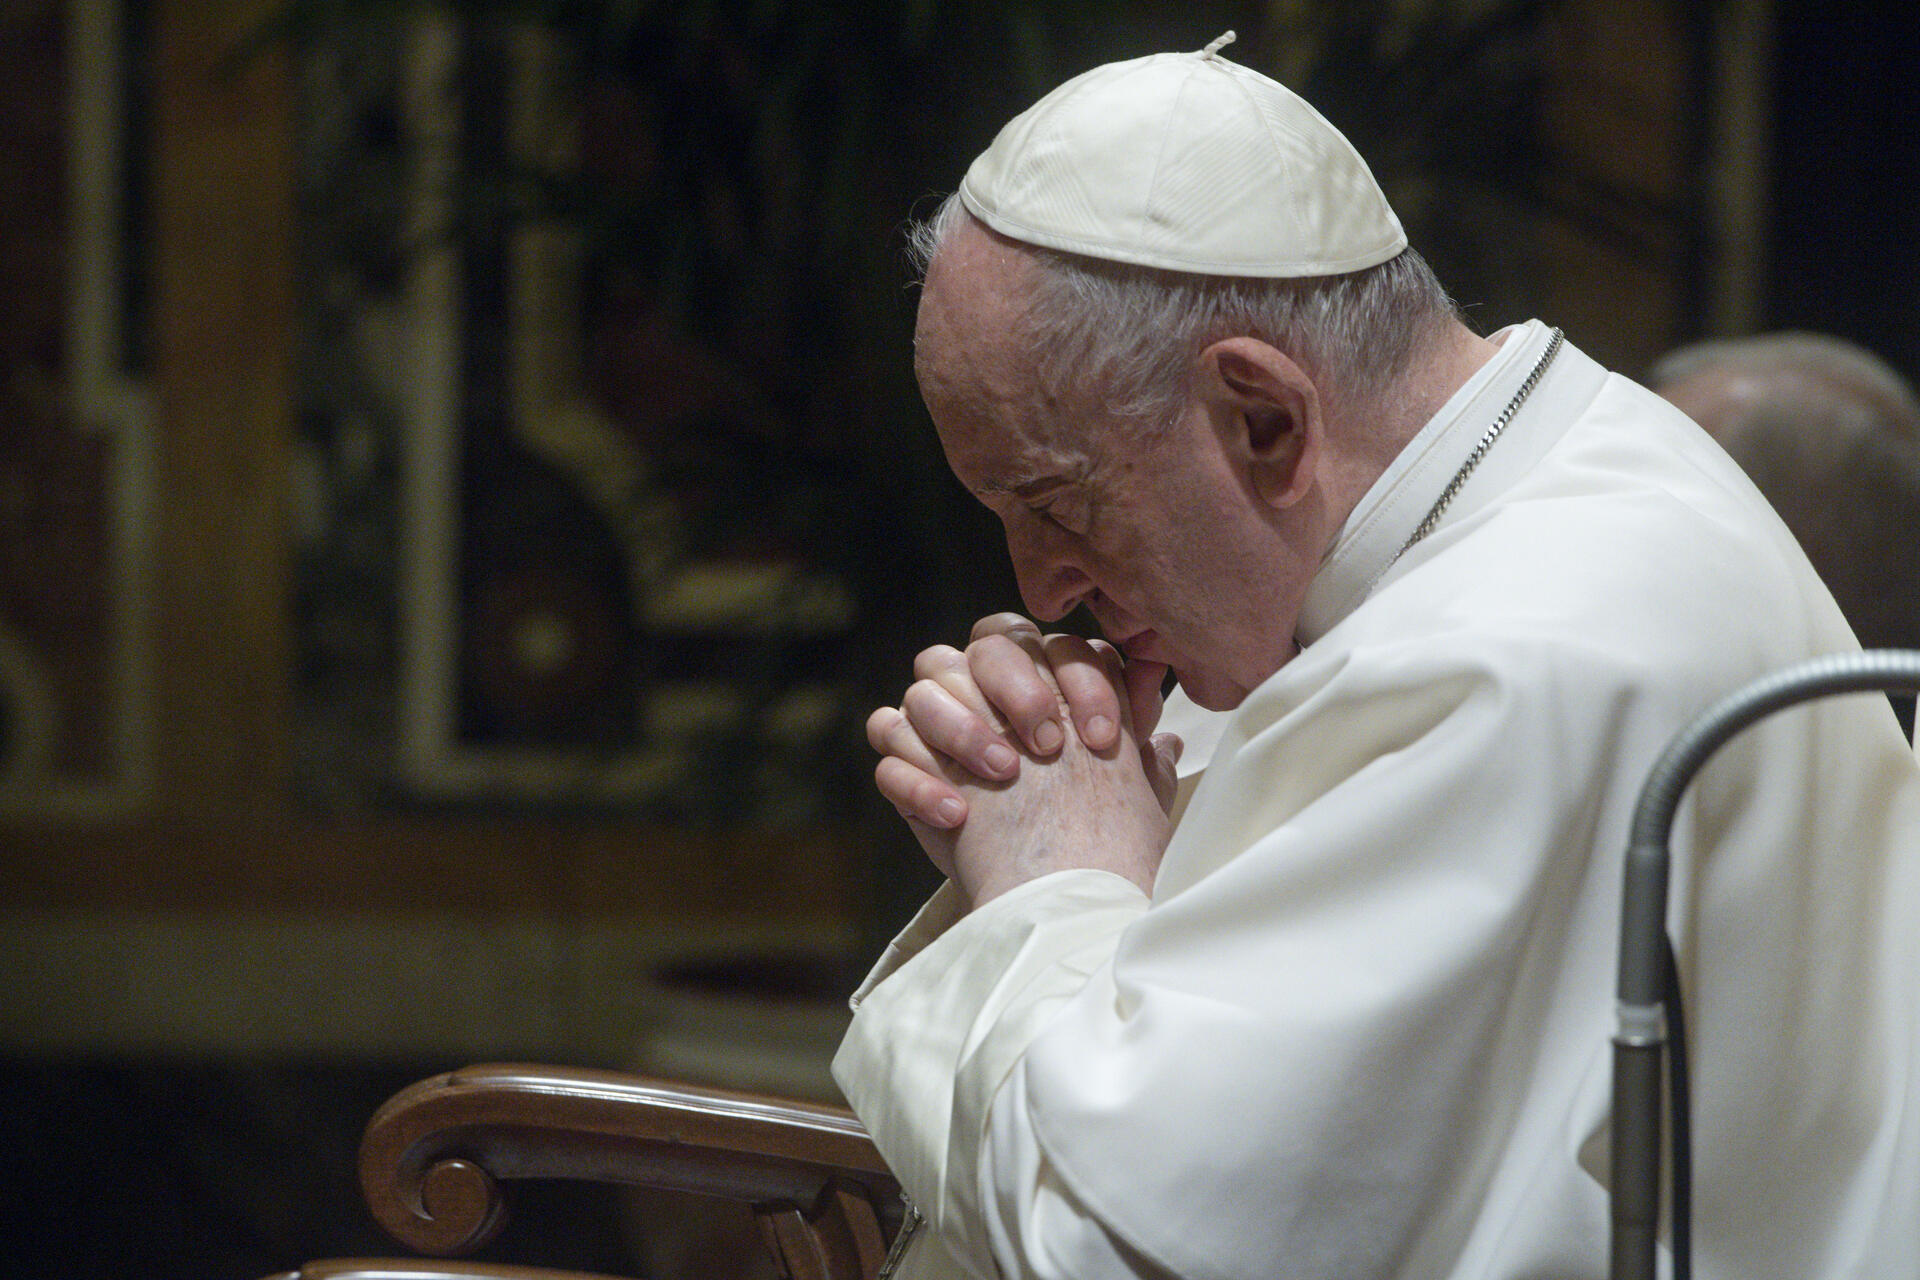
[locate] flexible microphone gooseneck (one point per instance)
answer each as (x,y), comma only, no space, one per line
(1649,1006)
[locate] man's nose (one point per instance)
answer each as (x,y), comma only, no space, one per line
(1051,578)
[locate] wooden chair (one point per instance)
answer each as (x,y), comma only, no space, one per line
(434,1160)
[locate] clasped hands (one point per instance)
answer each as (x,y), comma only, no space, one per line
(1027,754)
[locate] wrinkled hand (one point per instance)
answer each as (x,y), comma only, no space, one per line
(1076,808)
(1035,688)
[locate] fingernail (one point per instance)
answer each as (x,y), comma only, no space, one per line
(1000,758)
(1048,736)
(1099,729)
(951,812)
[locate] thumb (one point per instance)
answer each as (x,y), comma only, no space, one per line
(1143,680)
(1160,756)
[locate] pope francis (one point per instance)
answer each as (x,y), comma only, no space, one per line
(1332,996)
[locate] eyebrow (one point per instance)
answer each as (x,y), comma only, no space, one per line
(1026,489)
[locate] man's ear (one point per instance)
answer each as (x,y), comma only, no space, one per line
(1269,414)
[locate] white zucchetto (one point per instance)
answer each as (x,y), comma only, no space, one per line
(1189,162)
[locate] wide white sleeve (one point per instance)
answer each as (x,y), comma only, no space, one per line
(949,1012)
(1036,1225)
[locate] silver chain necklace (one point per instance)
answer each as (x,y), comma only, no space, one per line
(1454,485)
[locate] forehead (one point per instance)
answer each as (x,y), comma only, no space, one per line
(972,319)
(1002,428)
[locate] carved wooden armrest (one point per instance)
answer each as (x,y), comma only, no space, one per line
(414,1269)
(433,1157)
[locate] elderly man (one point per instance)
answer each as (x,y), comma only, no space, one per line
(1831,434)
(1339,1004)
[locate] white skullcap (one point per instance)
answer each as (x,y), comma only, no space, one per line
(1189,162)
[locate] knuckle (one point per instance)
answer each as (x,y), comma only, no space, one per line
(1066,644)
(1036,696)
(923,700)
(898,779)
(1096,686)
(1017,679)
(879,724)
(936,660)
(1031,703)
(1004,648)
(1067,653)
(924,796)
(990,650)
(901,740)
(945,727)
(1004,624)
(1091,667)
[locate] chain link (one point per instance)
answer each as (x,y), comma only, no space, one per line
(1459,480)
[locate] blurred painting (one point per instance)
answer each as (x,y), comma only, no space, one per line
(545,557)
(75,472)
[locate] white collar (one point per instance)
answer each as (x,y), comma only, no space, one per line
(1383,520)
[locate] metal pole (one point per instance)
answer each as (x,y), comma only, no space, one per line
(1640,1038)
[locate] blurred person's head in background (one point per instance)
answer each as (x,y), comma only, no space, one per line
(1831,434)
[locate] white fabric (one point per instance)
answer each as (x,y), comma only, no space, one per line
(1361,1030)
(1185,161)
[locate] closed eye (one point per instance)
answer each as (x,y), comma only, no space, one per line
(1057,500)
(1066,510)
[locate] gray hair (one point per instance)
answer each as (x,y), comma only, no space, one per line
(1134,331)
(1830,433)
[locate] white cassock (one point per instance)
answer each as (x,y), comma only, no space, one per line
(1361,1029)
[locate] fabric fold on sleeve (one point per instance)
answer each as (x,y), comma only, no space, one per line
(938,914)
(944,1019)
